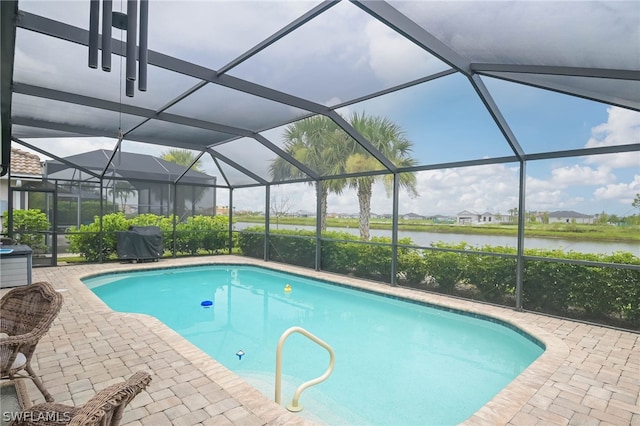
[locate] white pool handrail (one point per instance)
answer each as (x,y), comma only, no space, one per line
(294,406)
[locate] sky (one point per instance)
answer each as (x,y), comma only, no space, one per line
(344,54)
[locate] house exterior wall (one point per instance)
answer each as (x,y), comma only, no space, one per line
(567,219)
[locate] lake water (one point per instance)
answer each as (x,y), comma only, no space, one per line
(425,239)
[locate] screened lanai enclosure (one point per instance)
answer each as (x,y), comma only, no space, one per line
(465,148)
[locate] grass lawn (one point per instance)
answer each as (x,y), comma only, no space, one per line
(588,232)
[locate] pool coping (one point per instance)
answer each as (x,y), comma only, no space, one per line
(528,396)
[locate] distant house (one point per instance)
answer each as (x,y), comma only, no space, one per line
(25,166)
(145,181)
(349,215)
(304,213)
(467,216)
(487,217)
(570,216)
(413,216)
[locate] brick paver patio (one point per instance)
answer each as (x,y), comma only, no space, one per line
(588,375)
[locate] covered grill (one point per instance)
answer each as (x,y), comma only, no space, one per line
(140,243)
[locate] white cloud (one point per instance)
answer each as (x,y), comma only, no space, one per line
(491,188)
(622,128)
(215,32)
(485,188)
(65,147)
(621,192)
(581,175)
(393,58)
(597,33)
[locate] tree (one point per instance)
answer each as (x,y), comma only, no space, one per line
(388,138)
(636,202)
(318,143)
(545,218)
(28,228)
(513,214)
(280,208)
(184,157)
(122,189)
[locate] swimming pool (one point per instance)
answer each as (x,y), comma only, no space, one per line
(396,362)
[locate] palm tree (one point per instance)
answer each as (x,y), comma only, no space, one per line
(183,157)
(388,138)
(318,143)
(122,190)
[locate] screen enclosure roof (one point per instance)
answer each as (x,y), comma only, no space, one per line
(225,78)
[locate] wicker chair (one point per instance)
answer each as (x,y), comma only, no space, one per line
(26,313)
(104,409)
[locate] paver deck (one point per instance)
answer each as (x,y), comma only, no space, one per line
(588,375)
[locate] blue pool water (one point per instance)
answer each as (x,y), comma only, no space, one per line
(397,363)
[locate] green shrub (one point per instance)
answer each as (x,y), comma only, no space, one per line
(445,268)
(339,256)
(297,248)
(86,240)
(374,260)
(494,277)
(28,226)
(251,242)
(602,293)
(197,233)
(412,269)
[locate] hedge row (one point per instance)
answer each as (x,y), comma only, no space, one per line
(199,233)
(604,294)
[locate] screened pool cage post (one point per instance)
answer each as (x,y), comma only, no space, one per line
(267,220)
(10,205)
(318,261)
(79,206)
(521,219)
(175,216)
(101,242)
(230,214)
(54,225)
(394,230)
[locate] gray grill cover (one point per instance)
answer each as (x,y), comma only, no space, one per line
(140,243)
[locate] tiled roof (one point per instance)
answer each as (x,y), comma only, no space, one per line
(25,163)
(569,214)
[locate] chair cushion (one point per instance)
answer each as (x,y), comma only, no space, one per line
(13,400)
(19,362)
(9,402)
